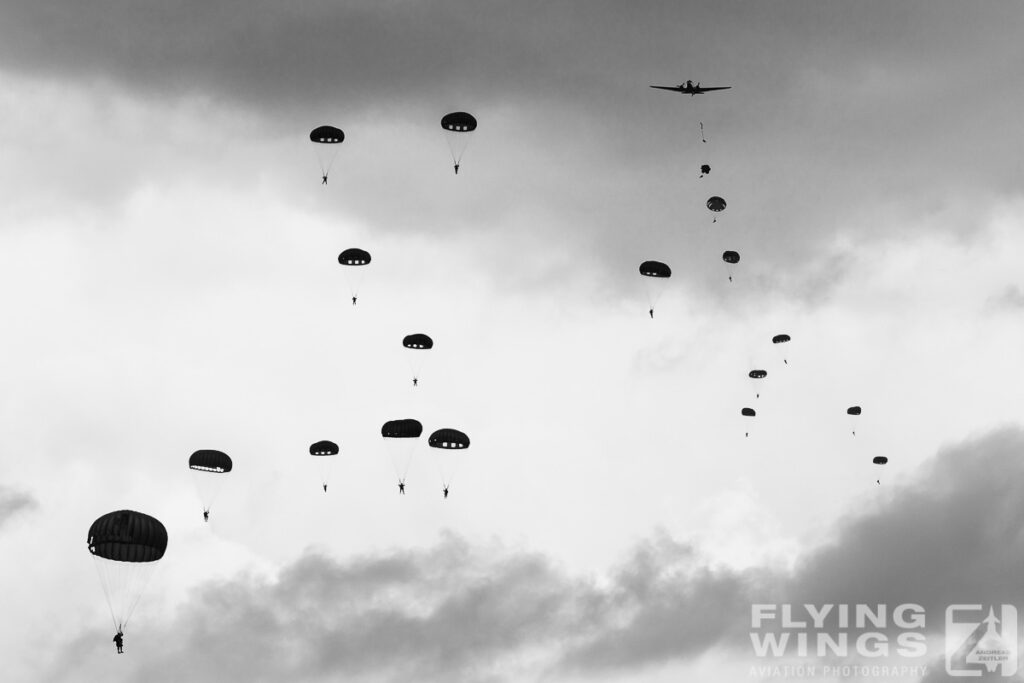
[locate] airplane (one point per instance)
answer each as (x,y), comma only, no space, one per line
(689,88)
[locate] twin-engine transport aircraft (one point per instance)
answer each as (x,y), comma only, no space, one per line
(689,88)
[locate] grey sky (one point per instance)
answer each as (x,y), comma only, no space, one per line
(459,611)
(168,263)
(841,115)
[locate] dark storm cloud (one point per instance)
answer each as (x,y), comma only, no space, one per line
(12,502)
(461,613)
(844,116)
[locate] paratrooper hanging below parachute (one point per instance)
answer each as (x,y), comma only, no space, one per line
(457,126)
(355,259)
(716,205)
(748,412)
(659,271)
(782,339)
(125,545)
(326,139)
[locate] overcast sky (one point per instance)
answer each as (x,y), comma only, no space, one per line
(168,258)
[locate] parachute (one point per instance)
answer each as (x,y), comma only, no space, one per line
(126,545)
(208,470)
(716,205)
(782,339)
(322,452)
(656,286)
(730,258)
(417,342)
(748,412)
(354,258)
(457,127)
(400,438)
(879,460)
(853,412)
(704,170)
(326,140)
(448,444)
(655,269)
(755,377)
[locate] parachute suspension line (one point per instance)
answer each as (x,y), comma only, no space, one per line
(106,592)
(702,138)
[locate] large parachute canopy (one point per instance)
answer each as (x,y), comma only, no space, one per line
(757,374)
(716,204)
(208,467)
(780,339)
(879,460)
(731,256)
(450,439)
(417,341)
(457,127)
(327,135)
(216,462)
(655,269)
(853,410)
(323,448)
(125,546)
(326,140)
(401,429)
(354,257)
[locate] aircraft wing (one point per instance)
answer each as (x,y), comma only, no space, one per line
(723,87)
(673,88)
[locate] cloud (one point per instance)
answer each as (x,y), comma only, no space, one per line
(12,502)
(855,134)
(461,612)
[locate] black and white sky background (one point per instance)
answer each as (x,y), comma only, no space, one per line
(168,263)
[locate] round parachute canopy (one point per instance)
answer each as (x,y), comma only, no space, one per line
(655,269)
(459,122)
(780,339)
(324,448)
(326,135)
(757,374)
(354,257)
(705,169)
(853,410)
(716,204)
(731,256)
(879,460)
(401,429)
(210,461)
(128,536)
(748,412)
(417,341)
(448,439)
